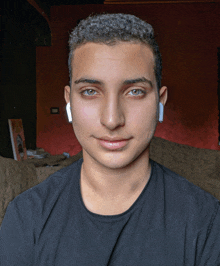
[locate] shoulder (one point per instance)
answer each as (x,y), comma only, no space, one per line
(55,181)
(184,198)
(180,185)
(28,214)
(39,199)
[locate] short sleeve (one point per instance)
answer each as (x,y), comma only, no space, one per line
(209,251)
(16,237)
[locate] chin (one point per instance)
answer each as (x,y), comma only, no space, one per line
(117,160)
(115,164)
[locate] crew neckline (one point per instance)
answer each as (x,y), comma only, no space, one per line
(110,218)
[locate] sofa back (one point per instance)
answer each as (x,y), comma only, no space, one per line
(199,166)
(15,178)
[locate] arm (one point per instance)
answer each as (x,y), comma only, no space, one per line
(17,237)
(209,251)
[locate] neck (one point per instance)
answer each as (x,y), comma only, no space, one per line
(112,191)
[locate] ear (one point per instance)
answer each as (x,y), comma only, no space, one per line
(163,94)
(67,94)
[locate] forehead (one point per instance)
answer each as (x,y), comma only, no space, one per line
(124,59)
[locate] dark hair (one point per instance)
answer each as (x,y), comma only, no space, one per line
(112,28)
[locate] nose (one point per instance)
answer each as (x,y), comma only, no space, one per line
(112,115)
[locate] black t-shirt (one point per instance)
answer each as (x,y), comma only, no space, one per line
(172,222)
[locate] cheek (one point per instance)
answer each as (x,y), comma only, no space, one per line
(84,116)
(143,117)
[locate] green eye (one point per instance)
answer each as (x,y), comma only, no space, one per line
(136,92)
(89,92)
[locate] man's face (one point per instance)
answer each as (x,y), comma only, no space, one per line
(114,97)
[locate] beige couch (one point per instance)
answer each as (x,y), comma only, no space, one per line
(199,166)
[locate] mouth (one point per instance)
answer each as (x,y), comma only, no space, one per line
(113,144)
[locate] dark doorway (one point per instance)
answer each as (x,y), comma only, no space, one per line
(218,95)
(23,28)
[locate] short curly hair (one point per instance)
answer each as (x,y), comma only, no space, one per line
(112,28)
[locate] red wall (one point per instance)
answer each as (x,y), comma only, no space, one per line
(188,35)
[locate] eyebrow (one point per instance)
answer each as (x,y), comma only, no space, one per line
(126,82)
(138,80)
(90,81)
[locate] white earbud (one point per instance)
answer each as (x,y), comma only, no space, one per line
(161,112)
(68,111)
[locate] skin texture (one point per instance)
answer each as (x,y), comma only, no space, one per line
(114,94)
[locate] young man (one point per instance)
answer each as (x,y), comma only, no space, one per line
(115,206)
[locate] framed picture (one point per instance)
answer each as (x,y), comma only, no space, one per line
(17,139)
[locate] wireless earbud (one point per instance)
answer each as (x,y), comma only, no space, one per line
(161,111)
(68,111)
